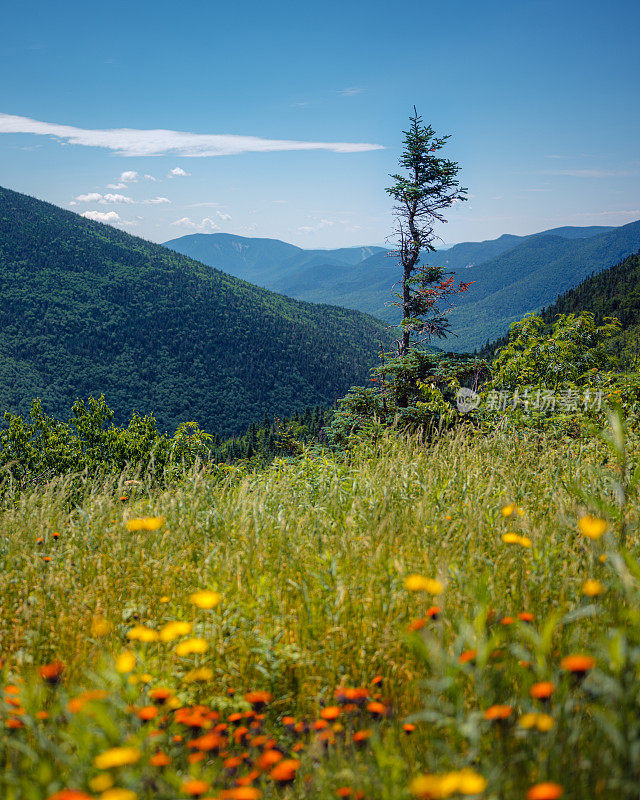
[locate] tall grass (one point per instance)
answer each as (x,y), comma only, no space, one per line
(310,557)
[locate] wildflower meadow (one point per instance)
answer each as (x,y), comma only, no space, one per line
(452,618)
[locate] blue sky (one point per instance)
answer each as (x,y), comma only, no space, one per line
(541,99)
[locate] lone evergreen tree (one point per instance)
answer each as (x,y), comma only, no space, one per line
(428,186)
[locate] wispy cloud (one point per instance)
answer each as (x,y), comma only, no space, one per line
(134,142)
(177,172)
(350,91)
(156,201)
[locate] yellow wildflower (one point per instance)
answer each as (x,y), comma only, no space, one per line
(126,661)
(145,523)
(142,634)
(191,646)
(173,630)
(100,626)
(592,588)
(418,583)
(117,757)
(593,527)
(206,599)
(202,674)
(101,782)
(118,794)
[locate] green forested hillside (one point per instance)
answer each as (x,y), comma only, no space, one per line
(88,309)
(612,293)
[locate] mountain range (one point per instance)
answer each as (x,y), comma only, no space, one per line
(88,309)
(512,275)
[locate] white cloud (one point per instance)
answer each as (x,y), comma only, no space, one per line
(205,224)
(150,178)
(116,186)
(130,176)
(134,142)
(156,201)
(350,91)
(91,197)
(177,172)
(102,216)
(95,197)
(223,217)
(116,198)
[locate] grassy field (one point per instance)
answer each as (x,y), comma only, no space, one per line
(321,668)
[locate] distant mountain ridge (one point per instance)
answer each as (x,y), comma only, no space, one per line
(89,309)
(512,275)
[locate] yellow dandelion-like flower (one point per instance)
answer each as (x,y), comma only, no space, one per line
(101,782)
(544,723)
(145,524)
(515,538)
(118,794)
(592,588)
(470,782)
(206,599)
(592,527)
(191,646)
(117,757)
(527,721)
(174,630)
(418,583)
(100,626)
(142,634)
(126,661)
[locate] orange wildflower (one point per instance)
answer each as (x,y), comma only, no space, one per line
(194,787)
(578,664)
(285,771)
(499,712)
(52,673)
(542,690)
(545,791)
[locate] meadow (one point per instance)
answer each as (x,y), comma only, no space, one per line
(453,618)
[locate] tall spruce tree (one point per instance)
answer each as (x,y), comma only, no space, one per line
(428,186)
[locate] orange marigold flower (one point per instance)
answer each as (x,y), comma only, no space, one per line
(578,664)
(377,709)
(69,794)
(194,787)
(160,759)
(268,759)
(344,791)
(160,695)
(52,673)
(499,712)
(545,791)
(467,657)
(147,713)
(507,621)
(408,727)
(417,624)
(359,737)
(241,793)
(542,690)
(285,771)
(15,723)
(331,712)
(525,616)
(258,699)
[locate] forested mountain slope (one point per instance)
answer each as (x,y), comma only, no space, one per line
(88,309)
(512,275)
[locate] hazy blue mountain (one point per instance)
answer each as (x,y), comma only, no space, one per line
(512,275)
(530,277)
